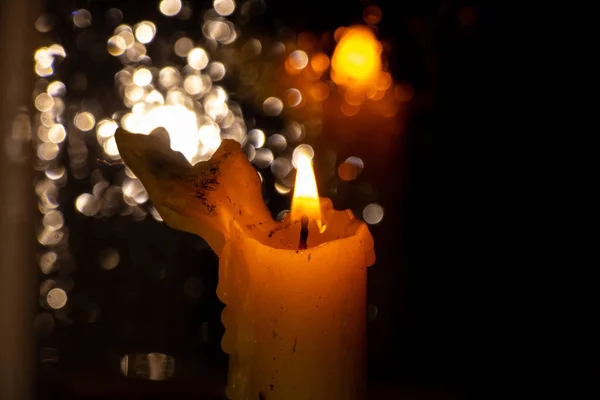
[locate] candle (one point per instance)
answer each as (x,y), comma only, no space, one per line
(295,318)
(295,291)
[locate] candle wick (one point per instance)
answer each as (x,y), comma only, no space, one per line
(303,233)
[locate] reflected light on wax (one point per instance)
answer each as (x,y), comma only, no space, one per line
(306,195)
(356,60)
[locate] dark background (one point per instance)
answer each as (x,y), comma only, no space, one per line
(436,334)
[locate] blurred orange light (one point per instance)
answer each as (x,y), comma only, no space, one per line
(349,110)
(319,62)
(378,95)
(354,97)
(384,81)
(319,91)
(372,14)
(339,32)
(356,61)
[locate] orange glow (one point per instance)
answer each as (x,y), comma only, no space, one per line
(354,97)
(384,81)
(349,110)
(306,195)
(290,69)
(371,92)
(380,94)
(339,32)
(319,91)
(403,92)
(310,74)
(356,61)
(319,62)
(372,14)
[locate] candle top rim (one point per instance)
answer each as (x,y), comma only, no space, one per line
(283,236)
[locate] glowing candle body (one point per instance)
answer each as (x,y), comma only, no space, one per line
(296,319)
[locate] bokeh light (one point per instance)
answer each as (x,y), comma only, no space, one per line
(373,214)
(170,8)
(263,158)
(84,121)
(56,89)
(216,71)
(294,131)
(44,102)
(293,97)
(145,31)
(298,59)
(282,189)
(142,77)
(45,23)
(87,204)
(169,77)
(48,151)
(53,220)
(109,259)
(281,167)
(302,151)
(106,128)
(277,142)
(116,45)
(356,61)
(350,169)
(272,106)
(56,298)
(320,91)
(82,18)
(224,7)
(319,62)
(48,262)
(192,84)
(372,14)
(183,46)
(256,137)
(197,58)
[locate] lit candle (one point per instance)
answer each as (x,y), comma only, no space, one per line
(295,291)
(295,316)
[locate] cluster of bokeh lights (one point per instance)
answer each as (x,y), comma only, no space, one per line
(189,99)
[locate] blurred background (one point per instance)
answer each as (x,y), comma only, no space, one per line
(100,298)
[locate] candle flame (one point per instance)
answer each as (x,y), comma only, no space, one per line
(356,61)
(306,195)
